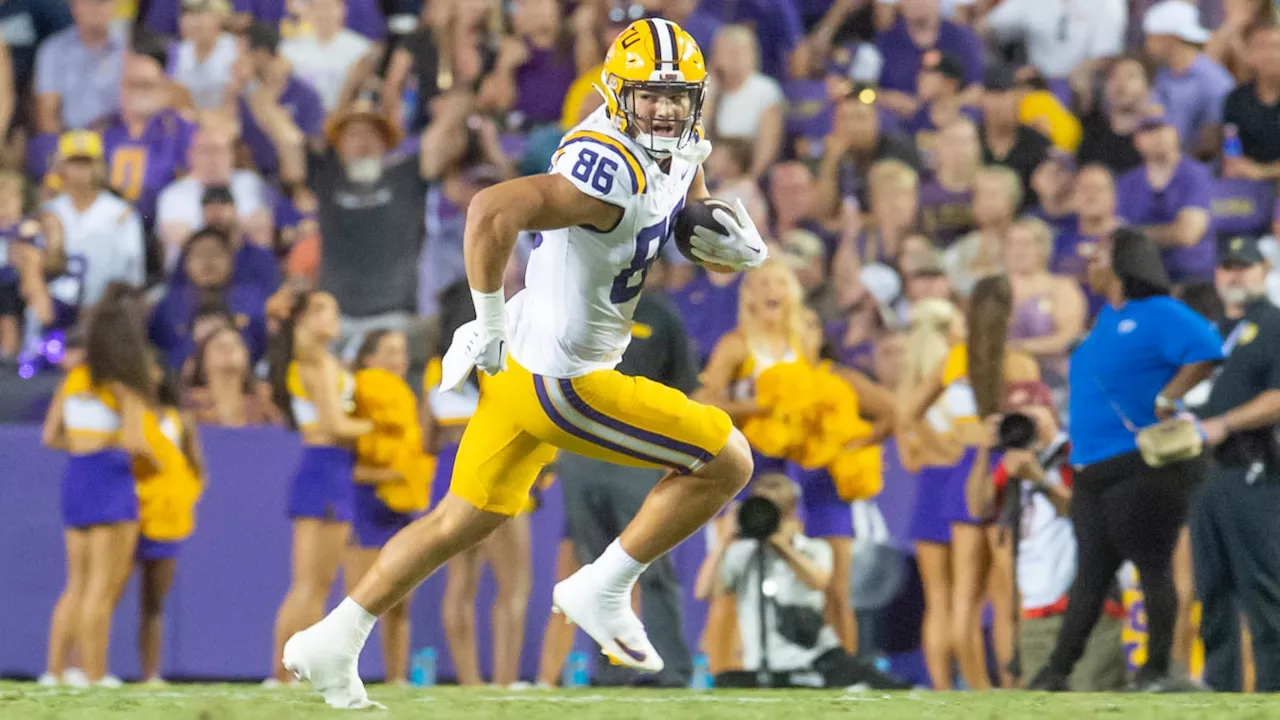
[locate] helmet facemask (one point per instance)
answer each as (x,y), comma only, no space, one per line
(660,146)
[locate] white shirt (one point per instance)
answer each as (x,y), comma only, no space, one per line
(738,112)
(1061,34)
(582,285)
(1046,546)
(738,573)
(206,80)
(179,202)
(326,66)
(103,244)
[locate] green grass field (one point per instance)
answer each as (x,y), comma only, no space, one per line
(20,701)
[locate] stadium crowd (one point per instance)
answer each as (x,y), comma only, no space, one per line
(253,167)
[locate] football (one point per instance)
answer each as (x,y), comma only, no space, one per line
(698,213)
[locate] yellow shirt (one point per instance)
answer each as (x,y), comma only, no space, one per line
(167,496)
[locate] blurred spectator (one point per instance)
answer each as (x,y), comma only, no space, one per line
(536,65)
(940,84)
(923,277)
(996,196)
(857,141)
(454,48)
(698,300)
(582,97)
(362,16)
(1040,107)
(20,237)
(920,29)
(1228,44)
(1005,139)
(894,213)
(776,22)
(1168,196)
(370,212)
(792,194)
(1052,184)
(264,83)
(441,263)
(202,62)
(1059,37)
(693,18)
(253,265)
(807,256)
(25,25)
(1109,126)
(1253,108)
(222,390)
(1190,85)
(1094,201)
(102,235)
(960,12)
(77,71)
(331,58)
(859,321)
(726,174)
(210,158)
(946,210)
(208,261)
(148,141)
(744,103)
(1048,309)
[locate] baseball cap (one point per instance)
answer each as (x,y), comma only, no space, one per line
(1240,251)
(945,64)
(217,195)
(860,62)
(80,144)
(263,36)
(1177,18)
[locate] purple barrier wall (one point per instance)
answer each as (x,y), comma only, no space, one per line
(234,571)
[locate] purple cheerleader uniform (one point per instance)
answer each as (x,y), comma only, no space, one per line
(321,486)
(98,489)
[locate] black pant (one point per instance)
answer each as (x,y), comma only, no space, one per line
(836,668)
(1236,548)
(1124,510)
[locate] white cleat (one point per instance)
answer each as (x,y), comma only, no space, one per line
(48,680)
(75,677)
(109,682)
(608,619)
(313,657)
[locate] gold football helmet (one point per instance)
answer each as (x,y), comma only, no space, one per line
(659,56)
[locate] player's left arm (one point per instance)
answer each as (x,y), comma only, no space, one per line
(538,202)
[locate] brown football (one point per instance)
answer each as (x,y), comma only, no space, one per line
(698,213)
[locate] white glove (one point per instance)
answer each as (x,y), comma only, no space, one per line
(472,348)
(741,249)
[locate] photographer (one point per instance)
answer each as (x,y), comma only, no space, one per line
(799,648)
(1031,454)
(1234,545)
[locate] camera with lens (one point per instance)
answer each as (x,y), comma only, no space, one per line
(1015,432)
(758,518)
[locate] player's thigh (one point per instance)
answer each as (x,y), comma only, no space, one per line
(630,421)
(498,461)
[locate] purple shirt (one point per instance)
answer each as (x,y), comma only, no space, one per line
(1059,224)
(255,268)
(709,312)
(945,215)
(777,25)
(169,327)
(924,130)
(702,26)
(1242,207)
(860,355)
(902,57)
(1193,100)
(542,82)
(1190,187)
(870,248)
(808,112)
(363,16)
(139,168)
(302,103)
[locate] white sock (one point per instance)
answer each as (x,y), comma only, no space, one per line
(354,621)
(618,569)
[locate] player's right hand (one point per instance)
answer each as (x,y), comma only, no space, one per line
(472,348)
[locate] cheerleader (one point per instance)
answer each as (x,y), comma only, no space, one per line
(167,500)
(97,417)
(316,396)
(392,477)
(970,383)
(926,447)
(507,550)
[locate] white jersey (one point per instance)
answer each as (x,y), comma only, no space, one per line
(581,283)
(103,244)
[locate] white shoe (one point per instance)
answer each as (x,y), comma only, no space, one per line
(608,618)
(156,681)
(315,656)
(109,682)
(520,686)
(75,678)
(48,680)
